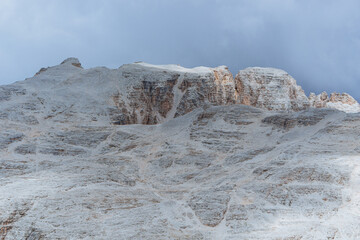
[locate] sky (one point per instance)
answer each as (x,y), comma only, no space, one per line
(315,41)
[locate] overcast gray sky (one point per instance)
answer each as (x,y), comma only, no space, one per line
(316,41)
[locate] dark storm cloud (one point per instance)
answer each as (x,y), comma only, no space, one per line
(317,42)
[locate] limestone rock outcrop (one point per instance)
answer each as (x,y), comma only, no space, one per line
(318,101)
(343,102)
(154,94)
(271,89)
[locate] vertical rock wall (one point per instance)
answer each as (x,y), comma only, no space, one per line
(271,89)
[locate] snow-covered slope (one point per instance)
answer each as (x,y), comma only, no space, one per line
(210,170)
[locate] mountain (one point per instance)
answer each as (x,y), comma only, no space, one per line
(165,152)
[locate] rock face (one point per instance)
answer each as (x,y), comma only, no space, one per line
(73,167)
(271,89)
(136,93)
(318,101)
(158,93)
(343,102)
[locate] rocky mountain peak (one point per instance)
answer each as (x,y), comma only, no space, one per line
(73,61)
(342,98)
(343,102)
(269,88)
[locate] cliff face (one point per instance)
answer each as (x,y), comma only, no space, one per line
(154,94)
(271,89)
(274,89)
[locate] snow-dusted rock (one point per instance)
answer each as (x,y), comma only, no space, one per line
(343,102)
(134,93)
(318,101)
(269,88)
(154,94)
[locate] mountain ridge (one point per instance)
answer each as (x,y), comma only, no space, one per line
(150,94)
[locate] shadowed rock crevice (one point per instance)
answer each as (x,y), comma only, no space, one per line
(6,225)
(304,118)
(210,206)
